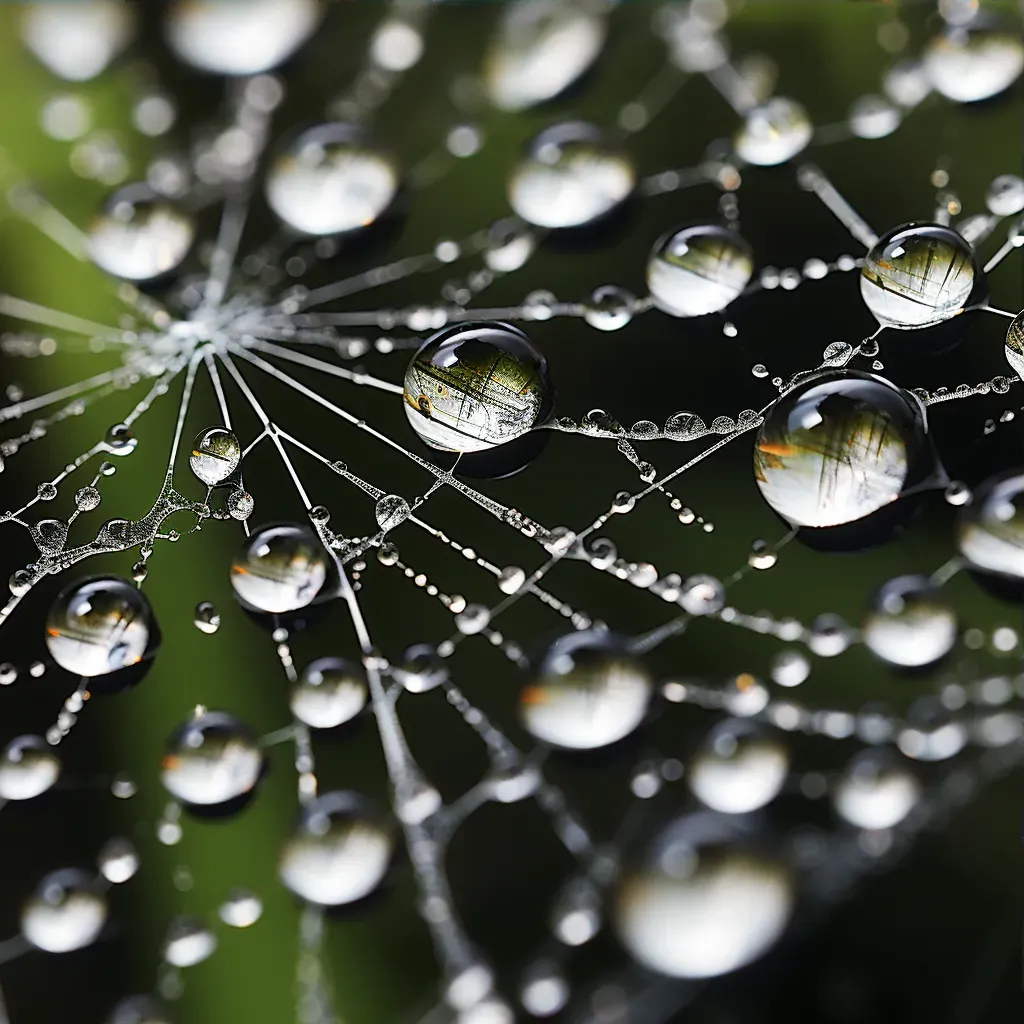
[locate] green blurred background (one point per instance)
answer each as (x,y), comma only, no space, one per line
(936,940)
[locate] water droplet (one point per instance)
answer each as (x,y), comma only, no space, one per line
(330,181)
(932,732)
(476,385)
(967,66)
(240,41)
(701,595)
(739,768)
(211,759)
(762,555)
(684,426)
(28,768)
(329,692)
(610,308)
(123,786)
(698,906)
(20,582)
(917,275)
(837,448)
(240,504)
(188,942)
(215,455)
(472,619)
(571,176)
(339,853)
(242,908)
(587,692)
(391,511)
(538,52)
(207,618)
(698,270)
(829,636)
(280,569)
(511,579)
(874,117)
(909,623)
(66,912)
(576,914)
(990,530)
(544,990)
(416,801)
(99,626)
(875,791)
(509,246)
(86,499)
(388,554)
(421,669)
(46,491)
(139,235)
(1015,344)
(79,42)
(118,861)
(773,133)
(790,668)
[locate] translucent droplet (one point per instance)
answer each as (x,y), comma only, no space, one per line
(932,732)
(396,45)
(416,801)
(119,440)
(188,942)
(235,39)
(990,530)
(46,491)
(539,51)
(240,504)
(215,455)
(66,912)
(1005,195)
(473,619)
(421,669)
(683,426)
(511,579)
(576,915)
(123,786)
(837,448)
(745,695)
(773,133)
(909,623)
(139,235)
(280,569)
(98,626)
(610,308)
(907,83)
(875,791)
(339,853)
(392,510)
(20,582)
(211,759)
(1015,344)
(476,385)
(515,782)
(330,181)
(544,990)
(242,908)
(86,499)
(917,275)
(790,668)
(696,907)
(702,595)
(329,692)
(28,768)
(968,66)
(829,636)
(874,117)
(207,618)
(587,692)
(571,176)
(77,42)
(118,861)
(739,768)
(761,555)
(698,270)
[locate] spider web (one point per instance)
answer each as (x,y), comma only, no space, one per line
(288,376)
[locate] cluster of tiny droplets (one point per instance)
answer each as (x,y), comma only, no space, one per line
(248,317)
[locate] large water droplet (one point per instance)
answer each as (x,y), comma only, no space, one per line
(28,767)
(990,529)
(339,853)
(1005,195)
(139,235)
(476,385)
(971,65)
(773,133)
(98,626)
(570,176)
(329,692)
(587,692)
(697,907)
(118,861)
(909,623)
(739,768)
(280,569)
(541,48)
(211,759)
(392,510)
(330,181)
(232,39)
(875,791)
(66,912)
(215,455)
(698,270)
(242,908)
(76,42)
(917,275)
(188,942)
(837,448)
(421,669)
